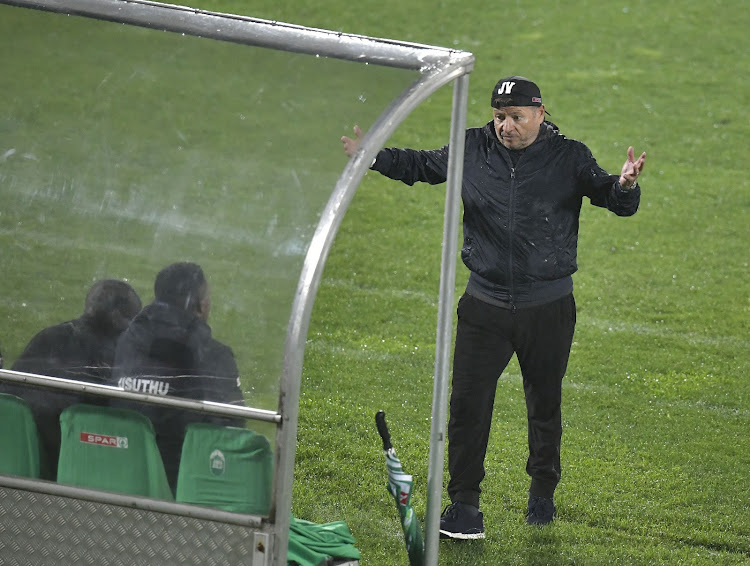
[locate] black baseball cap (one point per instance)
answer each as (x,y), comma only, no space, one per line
(516,91)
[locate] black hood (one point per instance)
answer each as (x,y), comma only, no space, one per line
(168,336)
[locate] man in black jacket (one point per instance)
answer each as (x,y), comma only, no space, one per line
(82,349)
(168,350)
(522,191)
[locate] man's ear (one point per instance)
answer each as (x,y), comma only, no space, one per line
(204,307)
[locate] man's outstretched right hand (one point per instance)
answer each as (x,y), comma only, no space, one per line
(352,145)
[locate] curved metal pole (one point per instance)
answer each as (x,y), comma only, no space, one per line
(445,320)
(250,31)
(312,271)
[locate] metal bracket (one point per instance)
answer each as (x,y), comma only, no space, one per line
(261,550)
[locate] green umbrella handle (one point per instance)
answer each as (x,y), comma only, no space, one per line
(383,430)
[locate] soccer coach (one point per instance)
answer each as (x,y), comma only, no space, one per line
(522,190)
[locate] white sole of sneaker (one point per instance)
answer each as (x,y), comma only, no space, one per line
(460,536)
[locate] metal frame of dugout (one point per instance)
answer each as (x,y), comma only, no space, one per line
(195,535)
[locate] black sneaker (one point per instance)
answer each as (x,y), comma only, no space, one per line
(459,522)
(541,510)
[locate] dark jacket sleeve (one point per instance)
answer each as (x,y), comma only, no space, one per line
(410,165)
(45,353)
(603,189)
(224,381)
(220,365)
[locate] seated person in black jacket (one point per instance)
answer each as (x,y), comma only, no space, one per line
(82,349)
(168,350)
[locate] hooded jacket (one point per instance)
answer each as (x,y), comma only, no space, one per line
(520,221)
(170,351)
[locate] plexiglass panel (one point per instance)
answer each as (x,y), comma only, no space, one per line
(124,149)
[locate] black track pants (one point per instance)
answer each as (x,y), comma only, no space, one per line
(487,337)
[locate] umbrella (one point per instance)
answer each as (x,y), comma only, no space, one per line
(399,486)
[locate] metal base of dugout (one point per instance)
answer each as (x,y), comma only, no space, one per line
(45,529)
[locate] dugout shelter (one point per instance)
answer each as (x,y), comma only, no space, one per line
(135,134)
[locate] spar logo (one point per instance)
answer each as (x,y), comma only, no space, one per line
(104,440)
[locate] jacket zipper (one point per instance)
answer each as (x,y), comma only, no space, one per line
(511,215)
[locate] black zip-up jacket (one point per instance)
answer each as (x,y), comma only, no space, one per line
(170,351)
(520,221)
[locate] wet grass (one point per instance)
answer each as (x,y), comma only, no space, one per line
(656,399)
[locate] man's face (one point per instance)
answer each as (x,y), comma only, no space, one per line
(517,126)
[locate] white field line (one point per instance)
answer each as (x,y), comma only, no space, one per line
(514,379)
(664,332)
(294,247)
(349,286)
(657,401)
(21,237)
(291,241)
(661,331)
(364,352)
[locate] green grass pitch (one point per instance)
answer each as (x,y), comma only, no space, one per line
(656,402)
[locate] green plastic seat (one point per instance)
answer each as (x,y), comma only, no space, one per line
(226,468)
(111,449)
(19,441)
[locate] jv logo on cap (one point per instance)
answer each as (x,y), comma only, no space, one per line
(505,88)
